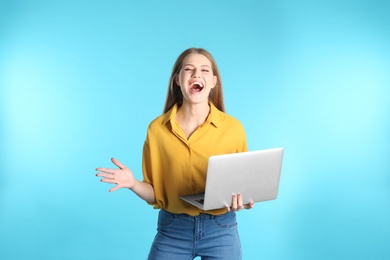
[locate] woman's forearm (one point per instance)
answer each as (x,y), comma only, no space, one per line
(144,190)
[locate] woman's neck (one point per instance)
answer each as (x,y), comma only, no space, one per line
(193,113)
(190,117)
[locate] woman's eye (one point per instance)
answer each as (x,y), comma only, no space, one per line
(205,70)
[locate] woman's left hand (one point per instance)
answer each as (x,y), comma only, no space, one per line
(237,204)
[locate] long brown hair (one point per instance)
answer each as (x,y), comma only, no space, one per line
(174,94)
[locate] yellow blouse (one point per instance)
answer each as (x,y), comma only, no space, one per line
(175,166)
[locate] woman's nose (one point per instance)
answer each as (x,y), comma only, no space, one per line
(196,74)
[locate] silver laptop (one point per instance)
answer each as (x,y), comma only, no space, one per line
(255,175)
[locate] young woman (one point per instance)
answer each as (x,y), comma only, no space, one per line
(178,144)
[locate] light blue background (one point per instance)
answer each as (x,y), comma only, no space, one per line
(81,80)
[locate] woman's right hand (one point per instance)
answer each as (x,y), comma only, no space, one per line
(122,177)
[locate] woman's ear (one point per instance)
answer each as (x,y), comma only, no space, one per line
(215,81)
(177,80)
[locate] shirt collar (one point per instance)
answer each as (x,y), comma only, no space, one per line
(212,118)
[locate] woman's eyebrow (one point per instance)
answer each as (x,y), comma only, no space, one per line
(189,64)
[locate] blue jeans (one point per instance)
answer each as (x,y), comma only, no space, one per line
(183,237)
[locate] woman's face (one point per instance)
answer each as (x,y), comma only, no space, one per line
(196,78)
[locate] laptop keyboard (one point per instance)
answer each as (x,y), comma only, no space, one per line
(201,201)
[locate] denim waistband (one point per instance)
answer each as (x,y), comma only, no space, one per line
(200,216)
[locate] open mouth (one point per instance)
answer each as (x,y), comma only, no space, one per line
(196,86)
